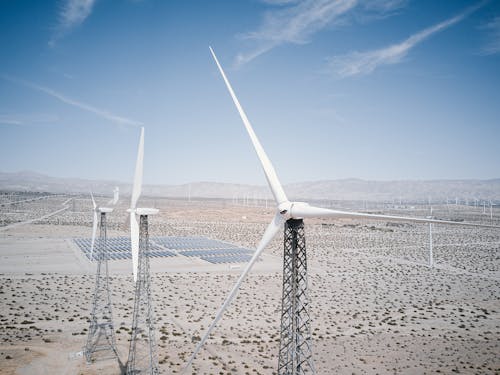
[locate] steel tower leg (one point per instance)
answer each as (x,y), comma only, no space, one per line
(431,255)
(142,355)
(295,353)
(101,343)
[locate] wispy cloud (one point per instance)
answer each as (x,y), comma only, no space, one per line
(279,2)
(493,45)
(383,6)
(293,24)
(359,63)
(75,103)
(72,13)
(27,119)
(9,120)
(297,21)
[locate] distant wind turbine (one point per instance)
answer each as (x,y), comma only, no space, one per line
(116,196)
(97,210)
(431,255)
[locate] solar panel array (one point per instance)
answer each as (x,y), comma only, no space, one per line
(119,248)
(212,251)
(180,243)
(227,259)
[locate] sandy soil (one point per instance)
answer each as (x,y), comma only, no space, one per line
(375,305)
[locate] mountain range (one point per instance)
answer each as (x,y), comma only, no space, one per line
(344,189)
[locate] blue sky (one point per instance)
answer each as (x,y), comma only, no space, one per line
(380,89)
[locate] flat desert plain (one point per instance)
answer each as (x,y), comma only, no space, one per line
(376,307)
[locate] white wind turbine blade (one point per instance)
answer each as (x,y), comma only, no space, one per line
(272,178)
(137,188)
(94,227)
(134,243)
(116,195)
(93,201)
(305,211)
(269,234)
(136,193)
(94,232)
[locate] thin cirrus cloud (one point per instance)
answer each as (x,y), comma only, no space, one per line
(19,119)
(493,45)
(75,103)
(9,120)
(72,13)
(279,2)
(295,22)
(362,63)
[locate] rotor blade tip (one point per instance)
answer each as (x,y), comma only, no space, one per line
(213,53)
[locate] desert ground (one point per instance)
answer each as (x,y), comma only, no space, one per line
(376,306)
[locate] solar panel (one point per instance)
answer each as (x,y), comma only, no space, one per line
(190,243)
(208,249)
(216,252)
(227,259)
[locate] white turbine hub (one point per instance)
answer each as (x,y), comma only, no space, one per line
(284,208)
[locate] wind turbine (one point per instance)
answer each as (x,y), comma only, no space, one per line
(431,255)
(97,211)
(142,356)
(94,226)
(116,196)
(295,353)
(101,334)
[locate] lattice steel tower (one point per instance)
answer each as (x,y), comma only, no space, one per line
(101,342)
(295,353)
(142,356)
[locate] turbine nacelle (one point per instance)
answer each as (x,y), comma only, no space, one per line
(298,206)
(143,211)
(104,210)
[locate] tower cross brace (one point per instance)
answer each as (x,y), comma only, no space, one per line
(143,357)
(295,352)
(101,342)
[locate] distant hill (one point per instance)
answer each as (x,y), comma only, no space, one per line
(346,189)
(414,190)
